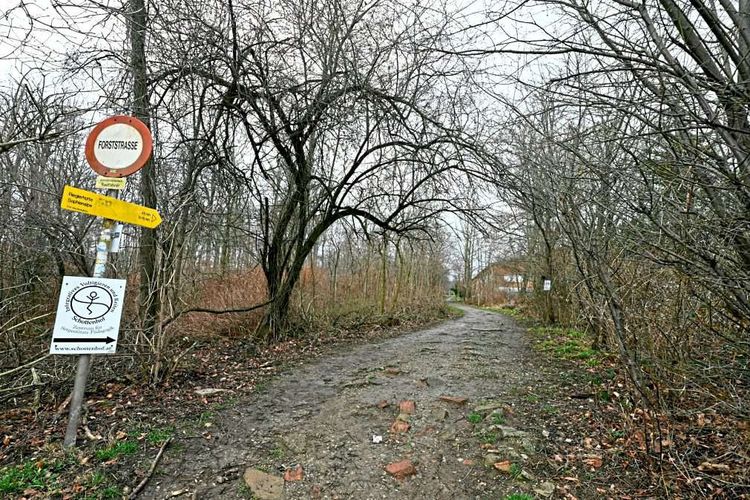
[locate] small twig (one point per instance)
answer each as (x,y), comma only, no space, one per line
(90,435)
(28,321)
(177,358)
(30,363)
(10,389)
(37,392)
(62,406)
(150,472)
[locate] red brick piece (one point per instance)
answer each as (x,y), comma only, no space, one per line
(401,470)
(400,426)
(503,466)
(407,406)
(294,474)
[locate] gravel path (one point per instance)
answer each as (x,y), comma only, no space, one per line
(323,415)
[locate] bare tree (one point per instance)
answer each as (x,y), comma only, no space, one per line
(330,111)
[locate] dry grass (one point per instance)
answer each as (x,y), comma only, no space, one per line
(316,306)
(232,291)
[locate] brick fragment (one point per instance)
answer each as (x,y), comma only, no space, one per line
(407,406)
(294,474)
(400,426)
(401,470)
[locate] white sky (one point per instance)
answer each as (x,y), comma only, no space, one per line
(38,38)
(37,41)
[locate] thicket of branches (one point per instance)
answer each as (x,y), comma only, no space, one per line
(304,149)
(628,157)
(312,141)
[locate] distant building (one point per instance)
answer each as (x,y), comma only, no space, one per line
(500,283)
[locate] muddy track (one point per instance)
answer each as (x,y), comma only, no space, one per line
(323,415)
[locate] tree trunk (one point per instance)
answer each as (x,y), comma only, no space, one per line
(148,256)
(335,272)
(383,274)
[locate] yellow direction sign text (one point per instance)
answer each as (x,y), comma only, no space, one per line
(110,182)
(80,200)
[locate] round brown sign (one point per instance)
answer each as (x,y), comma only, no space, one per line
(118,146)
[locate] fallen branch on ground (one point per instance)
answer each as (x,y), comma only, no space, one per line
(150,472)
(168,321)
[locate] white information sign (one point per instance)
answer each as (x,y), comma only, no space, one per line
(547,285)
(88,316)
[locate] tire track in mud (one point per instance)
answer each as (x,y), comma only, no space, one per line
(323,415)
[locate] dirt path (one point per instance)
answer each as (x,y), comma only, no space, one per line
(323,416)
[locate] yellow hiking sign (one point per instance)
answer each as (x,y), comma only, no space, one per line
(86,202)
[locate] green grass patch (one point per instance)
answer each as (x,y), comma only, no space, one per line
(244,490)
(97,479)
(40,475)
(474,417)
(497,419)
(487,437)
(231,401)
(531,398)
(101,490)
(117,450)
(158,435)
(519,496)
(566,343)
(617,434)
(206,417)
(154,436)
(454,312)
(45,479)
(277,453)
(111,492)
(31,475)
(550,410)
(515,471)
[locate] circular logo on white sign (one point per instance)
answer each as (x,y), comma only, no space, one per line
(91,302)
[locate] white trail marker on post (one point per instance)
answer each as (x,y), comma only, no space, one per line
(88,316)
